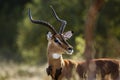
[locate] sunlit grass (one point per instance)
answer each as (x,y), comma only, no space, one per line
(11,71)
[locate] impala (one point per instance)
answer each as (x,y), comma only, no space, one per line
(60,68)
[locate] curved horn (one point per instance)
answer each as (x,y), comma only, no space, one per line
(41,22)
(60,20)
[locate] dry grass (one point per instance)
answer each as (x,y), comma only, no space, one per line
(11,71)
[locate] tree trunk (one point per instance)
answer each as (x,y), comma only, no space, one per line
(89,33)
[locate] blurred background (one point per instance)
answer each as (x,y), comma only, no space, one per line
(23,44)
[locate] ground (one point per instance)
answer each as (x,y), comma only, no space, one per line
(12,71)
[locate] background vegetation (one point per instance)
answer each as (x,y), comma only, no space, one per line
(22,41)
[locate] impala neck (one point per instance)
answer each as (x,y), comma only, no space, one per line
(54,57)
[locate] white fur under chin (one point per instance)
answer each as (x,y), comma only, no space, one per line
(56,55)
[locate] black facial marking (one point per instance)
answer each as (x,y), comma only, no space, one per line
(56,40)
(63,40)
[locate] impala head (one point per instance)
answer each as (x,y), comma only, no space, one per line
(57,41)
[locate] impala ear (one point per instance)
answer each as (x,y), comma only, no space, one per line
(67,35)
(49,36)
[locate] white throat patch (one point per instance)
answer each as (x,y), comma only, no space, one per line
(56,55)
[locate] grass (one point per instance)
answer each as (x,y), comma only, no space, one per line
(11,71)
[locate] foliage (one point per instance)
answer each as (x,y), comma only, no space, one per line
(21,40)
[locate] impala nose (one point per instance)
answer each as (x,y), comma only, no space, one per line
(70,50)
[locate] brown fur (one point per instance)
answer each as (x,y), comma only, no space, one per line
(61,68)
(103,67)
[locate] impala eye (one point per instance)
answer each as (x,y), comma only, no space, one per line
(56,40)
